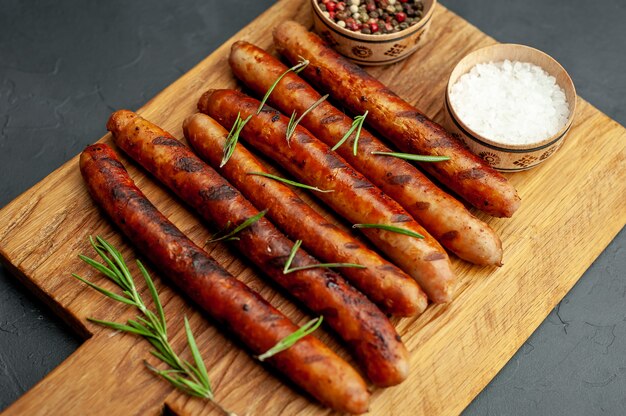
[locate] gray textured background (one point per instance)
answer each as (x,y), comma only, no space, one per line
(64,66)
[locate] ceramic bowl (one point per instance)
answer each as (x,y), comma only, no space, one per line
(366,49)
(510,157)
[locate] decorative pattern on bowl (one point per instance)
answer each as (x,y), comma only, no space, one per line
(366,49)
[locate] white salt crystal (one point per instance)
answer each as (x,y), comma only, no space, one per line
(510,102)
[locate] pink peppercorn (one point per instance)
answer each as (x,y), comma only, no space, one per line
(400,17)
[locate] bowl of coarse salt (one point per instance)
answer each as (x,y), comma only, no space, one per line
(511,104)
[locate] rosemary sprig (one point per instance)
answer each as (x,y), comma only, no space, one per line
(291,127)
(415,158)
(288,269)
(292,338)
(187,377)
(357,125)
(233,138)
(231,235)
(238,125)
(302,63)
(390,228)
(289,182)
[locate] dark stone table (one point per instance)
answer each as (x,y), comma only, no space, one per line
(64,66)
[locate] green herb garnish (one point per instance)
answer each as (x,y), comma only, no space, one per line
(233,138)
(357,125)
(226,235)
(289,182)
(288,269)
(185,376)
(416,158)
(390,228)
(292,338)
(233,135)
(302,63)
(291,127)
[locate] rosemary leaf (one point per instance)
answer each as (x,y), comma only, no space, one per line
(113,255)
(292,338)
(161,350)
(359,120)
(390,228)
(289,182)
(172,371)
(149,329)
(163,358)
(196,354)
(178,383)
(121,327)
(357,125)
(117,258)
(154,294)
(291,127)
(198,378)
(296,69)
(195,389)
(105,292)
(288,269)
(415,158)
(98,266)
(107,260)
(345,137)
(291,256)
(218,235)
(293,123)
(146,324)
(229,236)
(233,138)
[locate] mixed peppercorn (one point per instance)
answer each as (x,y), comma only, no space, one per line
(375,17)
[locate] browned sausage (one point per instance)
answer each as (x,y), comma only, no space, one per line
(309,363)
(353,196)
(385,284)
(365,329)
(403,124)
(444,217)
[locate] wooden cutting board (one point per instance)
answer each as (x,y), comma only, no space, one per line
(573,206)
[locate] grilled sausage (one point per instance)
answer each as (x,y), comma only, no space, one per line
(353,196)
(385,284)
(403,124)
(444,217)
(366,330)
(309,363)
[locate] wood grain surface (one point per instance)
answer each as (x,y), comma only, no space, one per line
(573,206)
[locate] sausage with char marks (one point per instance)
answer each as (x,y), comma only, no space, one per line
(308,363)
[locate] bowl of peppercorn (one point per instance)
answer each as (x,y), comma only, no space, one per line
(373,32)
